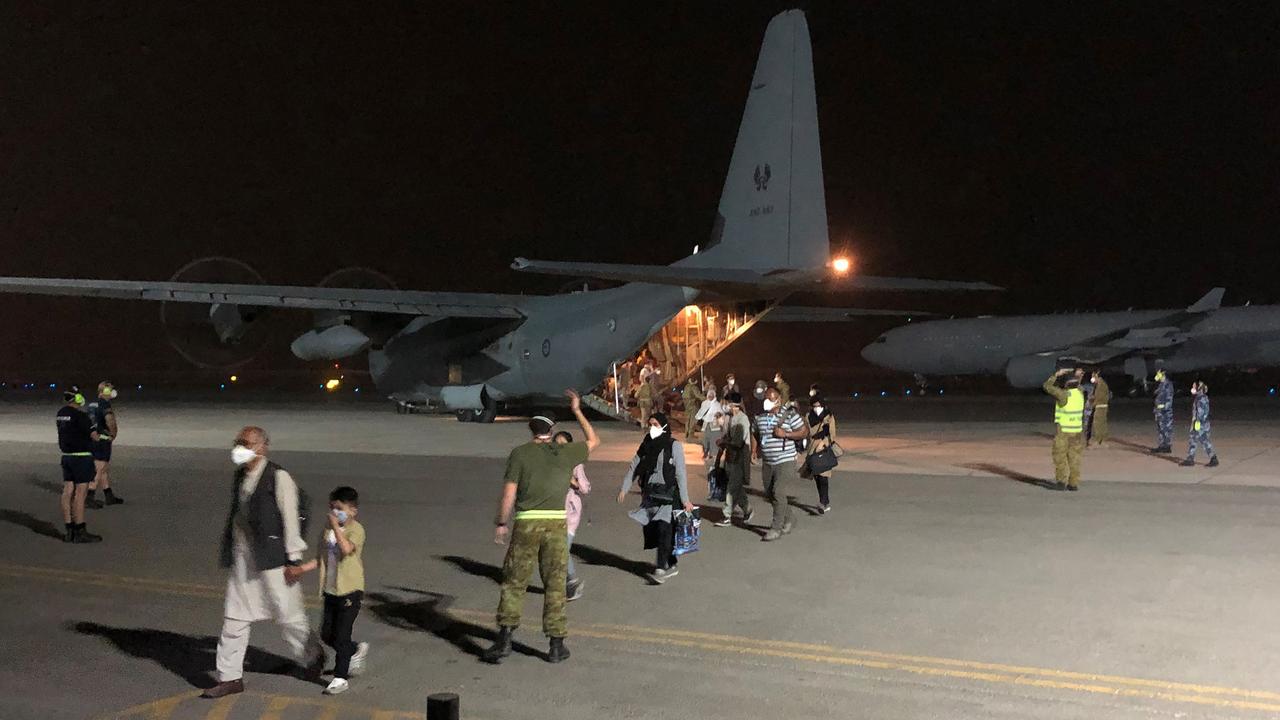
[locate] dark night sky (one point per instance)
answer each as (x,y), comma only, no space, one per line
(1124,156)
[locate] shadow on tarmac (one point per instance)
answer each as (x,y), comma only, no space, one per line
(430,615)
(596,556)
(1003,471)
(189,657)
(1146,450)
(30,522)
(480,569)
(46,485)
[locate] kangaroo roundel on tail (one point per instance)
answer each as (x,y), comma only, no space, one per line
(773,212)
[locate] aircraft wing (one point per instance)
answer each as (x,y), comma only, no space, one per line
(1153,336)
(794,313)
(402,302)
(737,281)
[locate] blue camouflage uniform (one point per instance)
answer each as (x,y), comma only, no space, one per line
(1199,427)
(1164,413)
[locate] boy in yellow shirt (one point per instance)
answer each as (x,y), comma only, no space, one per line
(341,562)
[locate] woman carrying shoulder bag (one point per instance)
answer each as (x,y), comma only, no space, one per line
(820,450)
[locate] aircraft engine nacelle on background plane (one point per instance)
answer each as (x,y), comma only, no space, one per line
(1030,371)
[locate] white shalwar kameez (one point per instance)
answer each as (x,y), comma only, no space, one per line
(253,595)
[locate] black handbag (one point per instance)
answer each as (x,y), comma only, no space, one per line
(718,484)
(821,462)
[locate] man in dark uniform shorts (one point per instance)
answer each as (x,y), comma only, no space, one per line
(75,439)
(104,423)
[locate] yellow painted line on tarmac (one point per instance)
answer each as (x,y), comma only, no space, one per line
(274,706)
(221,709)
(163,709)
(636,632)
(1115,685)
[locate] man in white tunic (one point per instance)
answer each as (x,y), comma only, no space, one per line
(261,547)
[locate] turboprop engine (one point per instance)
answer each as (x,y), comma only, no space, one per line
(220,335)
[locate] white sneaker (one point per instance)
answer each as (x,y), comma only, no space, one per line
(337,686)
(660,576)
(358,659)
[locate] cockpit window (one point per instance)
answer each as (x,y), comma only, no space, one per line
(882,339)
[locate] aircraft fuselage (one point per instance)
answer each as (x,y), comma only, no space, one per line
(1246,337)
(566,341)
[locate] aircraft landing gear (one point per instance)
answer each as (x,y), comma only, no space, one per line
(485,415)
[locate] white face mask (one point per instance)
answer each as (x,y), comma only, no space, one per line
(817,410)
(769,405)
(655,432)
(241,455)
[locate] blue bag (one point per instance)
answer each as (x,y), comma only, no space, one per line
(688,527)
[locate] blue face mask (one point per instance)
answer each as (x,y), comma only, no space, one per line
(341,515)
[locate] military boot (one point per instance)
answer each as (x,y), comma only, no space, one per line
(80,535)
(558,652)
(1213,461)
(501,647)
(1187,462)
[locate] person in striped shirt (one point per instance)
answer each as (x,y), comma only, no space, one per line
(777,429)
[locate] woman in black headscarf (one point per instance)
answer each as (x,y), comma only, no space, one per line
(822,435)
(658,468)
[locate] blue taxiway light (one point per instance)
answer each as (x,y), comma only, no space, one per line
(1272,391)
(883,393)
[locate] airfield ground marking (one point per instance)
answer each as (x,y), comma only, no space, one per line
(1115,685)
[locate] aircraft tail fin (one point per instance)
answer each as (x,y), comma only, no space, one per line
(773,210)
(1212,300)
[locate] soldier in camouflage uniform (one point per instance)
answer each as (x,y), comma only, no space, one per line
(1200,426)
(536,482)
(1164,414)
(692,397)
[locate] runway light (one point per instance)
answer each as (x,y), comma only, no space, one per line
(235,378)
(53,386)
(332,384)
(357,389)
(857,394)
(841,265)
(139,387)
(1272,391)
(883,393)
(940,391)
(908,392)
(222,386)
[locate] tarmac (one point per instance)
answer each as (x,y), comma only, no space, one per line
(947,582)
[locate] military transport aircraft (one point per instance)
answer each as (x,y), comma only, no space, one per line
(474,352)
(1027,349)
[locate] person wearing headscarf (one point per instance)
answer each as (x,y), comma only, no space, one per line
(659,469)
(711,415)
(822,435)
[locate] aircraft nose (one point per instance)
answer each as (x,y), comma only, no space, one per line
(874,352)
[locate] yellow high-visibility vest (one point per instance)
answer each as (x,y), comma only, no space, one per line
(1070,417)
